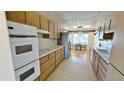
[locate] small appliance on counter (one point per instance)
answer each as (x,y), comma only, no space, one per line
(24,50)
(63,40)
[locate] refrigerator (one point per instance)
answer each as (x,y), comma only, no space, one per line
(63,40)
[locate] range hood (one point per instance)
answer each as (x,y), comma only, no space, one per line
(41,31)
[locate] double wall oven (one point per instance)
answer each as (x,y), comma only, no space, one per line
(25,52)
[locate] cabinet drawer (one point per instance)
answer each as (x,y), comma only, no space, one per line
(58,56)
(51,55)
(62,49)
(16,16)
(105,65)
(102,68)
(57,62)
(62,52)
(32,19)
(96,66)
(43,59)
(44,75)
(52,60)
(58,51)
(101,74)
(98,76)
(45,66)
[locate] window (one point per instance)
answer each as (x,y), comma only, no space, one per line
(78,38)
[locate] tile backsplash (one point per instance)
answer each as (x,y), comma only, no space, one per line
(106,44)
(46,42)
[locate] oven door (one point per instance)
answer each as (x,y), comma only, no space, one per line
(29,72)
(24,51)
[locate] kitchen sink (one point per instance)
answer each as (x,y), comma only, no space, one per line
(103,50)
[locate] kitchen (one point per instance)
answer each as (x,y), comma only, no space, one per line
(39,50)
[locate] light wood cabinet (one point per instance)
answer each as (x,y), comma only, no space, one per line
(55,31)
(102,69)
(44,59)
(59,56)
(44,23)
(32,19)
(58,32)
(51,29)
(45,74)
(96,63)
(62,54)
(49,62)
(99,65)
(47,65)
(16,16)
(113,74)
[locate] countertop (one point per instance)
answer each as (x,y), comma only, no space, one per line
(45,51)
(104,54)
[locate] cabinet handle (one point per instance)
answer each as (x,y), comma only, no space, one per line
(9,27)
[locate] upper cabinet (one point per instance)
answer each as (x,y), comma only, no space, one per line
(55,31)
(35,19)
(16,16)
(51,29)
(108,25)
(58,32)
(32,18)
(44,23)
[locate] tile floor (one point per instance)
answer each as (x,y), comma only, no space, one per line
(76,68)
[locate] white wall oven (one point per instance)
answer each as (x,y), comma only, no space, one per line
(25,51)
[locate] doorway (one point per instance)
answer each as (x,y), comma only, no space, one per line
(78,41)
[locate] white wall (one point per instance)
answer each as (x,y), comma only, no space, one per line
(6,66)
(46,43)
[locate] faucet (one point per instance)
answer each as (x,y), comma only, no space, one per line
(100,44)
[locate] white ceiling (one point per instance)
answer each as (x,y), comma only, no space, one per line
(80,18)
(72,19)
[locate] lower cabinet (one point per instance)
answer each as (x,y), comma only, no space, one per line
(50,62)
(47,65)
(102,69)
(99,65)
(59,56)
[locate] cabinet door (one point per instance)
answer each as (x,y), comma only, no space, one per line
(55,31)
(96,63)
(93,58)
(51,28)
(43,23)
(16,16)
(58,32)
(32,19)
(113,74)
(45,74)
